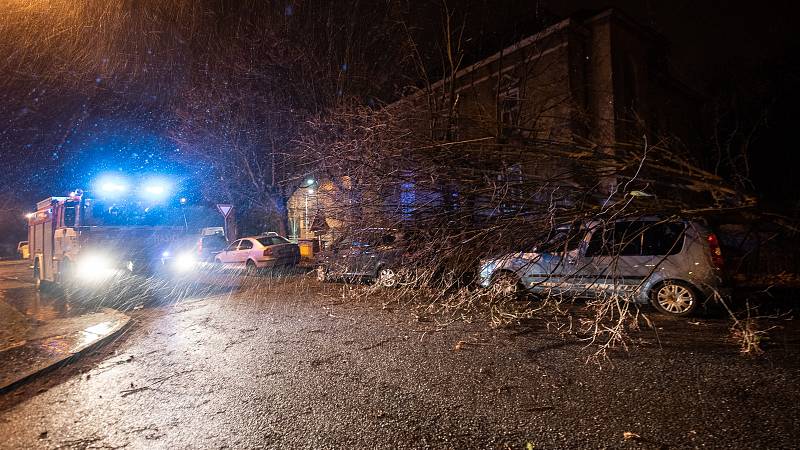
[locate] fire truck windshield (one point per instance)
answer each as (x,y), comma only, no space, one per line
(100,213)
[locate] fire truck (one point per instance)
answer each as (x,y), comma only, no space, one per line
(78,241)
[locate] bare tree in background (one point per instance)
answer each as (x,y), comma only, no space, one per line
(263,71)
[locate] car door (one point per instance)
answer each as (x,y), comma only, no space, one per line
(357,257)
(332,258)
(660,241)
(551,267)
(243,252)
(348,253)
(372,253)
(613,261)
(228,255)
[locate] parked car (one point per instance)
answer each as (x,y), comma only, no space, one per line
(674,265)
(23,250)
(268,251)
(209,246)
(373,254)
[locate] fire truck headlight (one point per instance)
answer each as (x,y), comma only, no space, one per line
(95,267)
(185,262)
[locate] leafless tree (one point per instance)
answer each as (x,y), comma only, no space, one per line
(468,182)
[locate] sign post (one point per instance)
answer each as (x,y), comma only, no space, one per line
(228,217)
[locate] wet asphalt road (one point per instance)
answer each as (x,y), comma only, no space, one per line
(265,364)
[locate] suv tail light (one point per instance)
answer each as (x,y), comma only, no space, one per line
(716,251)
(268,251)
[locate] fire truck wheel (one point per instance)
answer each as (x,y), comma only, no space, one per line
(65,283)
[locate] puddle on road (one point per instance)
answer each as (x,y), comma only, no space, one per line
(39,306)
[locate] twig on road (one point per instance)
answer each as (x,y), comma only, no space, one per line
(156,382)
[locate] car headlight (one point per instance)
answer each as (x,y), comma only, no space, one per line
(184,262)
(95,267)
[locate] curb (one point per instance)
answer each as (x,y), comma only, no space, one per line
(33,374)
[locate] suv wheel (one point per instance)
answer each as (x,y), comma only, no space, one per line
(387,277)
(675,298)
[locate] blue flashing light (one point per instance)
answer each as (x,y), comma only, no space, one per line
(155,189)
(112,185)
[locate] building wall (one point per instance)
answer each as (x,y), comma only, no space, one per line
(590,82)
(603,79)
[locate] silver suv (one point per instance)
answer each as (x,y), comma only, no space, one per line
(672,264)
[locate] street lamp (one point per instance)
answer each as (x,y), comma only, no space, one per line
(309,190)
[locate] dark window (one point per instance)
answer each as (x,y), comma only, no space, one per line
(509,108)
(663,239)
(621,238)
(369,238)
(600,242)
(637,239)
(272,240)
(233,246)
(342,243)
(628,238)
(245,245)
(563,240)
(69,213)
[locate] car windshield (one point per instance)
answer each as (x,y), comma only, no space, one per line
(101,213)
(272,240)
(374,238)
(562,239)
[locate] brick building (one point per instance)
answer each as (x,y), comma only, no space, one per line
(592,80)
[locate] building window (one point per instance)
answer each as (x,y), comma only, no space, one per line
(509,108)
(408,198)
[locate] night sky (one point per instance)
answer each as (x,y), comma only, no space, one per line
(52,140)
(745,52)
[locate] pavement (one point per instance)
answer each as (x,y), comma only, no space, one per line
(39,331)
(297,364)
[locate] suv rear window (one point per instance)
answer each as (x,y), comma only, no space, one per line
(663,239)
(637,238)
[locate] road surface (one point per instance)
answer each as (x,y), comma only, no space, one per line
(263,363)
